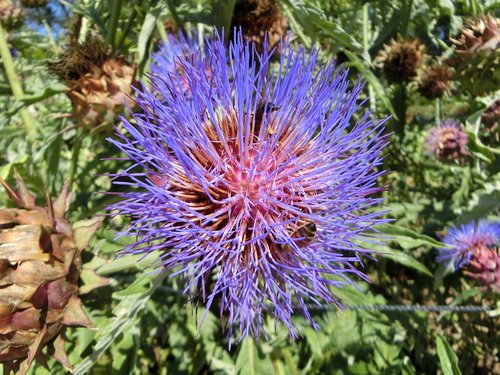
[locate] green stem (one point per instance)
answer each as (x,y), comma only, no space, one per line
(161,31)
(366,47)
(175,16)
(75,155)
(366,27)
(131,21)
(400,108)
(15,85)
(439,111)
(223,14)
(116,6)
(406,17)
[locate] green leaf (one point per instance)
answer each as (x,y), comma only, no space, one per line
(407,238)
(124,351)
(480,150)
(223,12)
(132,301)
(251,360)
(447,358)
(339,35)
(53,89)
(373,81)
(126,263)
(407,260)
(144,42)
(483,201)
(440,273)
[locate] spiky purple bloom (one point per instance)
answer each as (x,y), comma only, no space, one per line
(256,186)
(464,240)
(165,60)
(447,141)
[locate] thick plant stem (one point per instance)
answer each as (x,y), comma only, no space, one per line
(75,155)
(400,108)
(366,47)
(131,21)
(175,16)
(116,6)
(224,11)
(15,85)
(399,103)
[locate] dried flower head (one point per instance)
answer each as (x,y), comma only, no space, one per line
(99,83)
(11,16)
(435,81)
(40,266)
(34,3)
(258,18)
(400,60)
(447,141)
(256,186)
(490,121)
(479,34)
(474,246)
(476,61)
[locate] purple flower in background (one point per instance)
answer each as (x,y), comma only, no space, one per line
(447,142)
(165,60)
(464,240)
(256,186)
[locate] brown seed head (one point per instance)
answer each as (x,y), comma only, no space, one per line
(435,81)
(400,60)
(258,17)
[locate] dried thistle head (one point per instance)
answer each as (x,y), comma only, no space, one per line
(99,84)
(490,121)
(11,15)
(401,59)
(479,34)
(477,56)
(40,266)
(34,3)
(435,81)
(258,18)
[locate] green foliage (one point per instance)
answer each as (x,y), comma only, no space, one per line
(447,358)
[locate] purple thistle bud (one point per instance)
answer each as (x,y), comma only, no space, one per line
(462,242)
(256,186)
(447,141)
(484,267)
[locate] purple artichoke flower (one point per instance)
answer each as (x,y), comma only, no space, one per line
(258,185)
(165,60)
(463,241)
(447,141)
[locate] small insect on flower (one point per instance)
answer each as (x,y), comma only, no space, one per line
(257,185)
(304,233)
